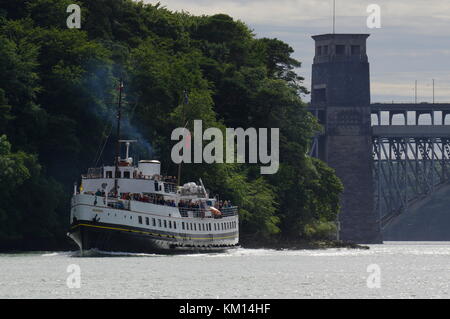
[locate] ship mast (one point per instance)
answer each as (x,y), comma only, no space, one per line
(117,155)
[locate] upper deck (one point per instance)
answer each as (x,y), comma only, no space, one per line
(144,178)
(197,210)
(142,188)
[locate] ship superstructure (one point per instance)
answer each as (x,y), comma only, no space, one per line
(149,212)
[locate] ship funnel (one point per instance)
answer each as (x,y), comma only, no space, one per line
(149,167)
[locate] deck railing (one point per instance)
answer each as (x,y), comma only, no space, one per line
(229,211)
(202,212)
(184,211)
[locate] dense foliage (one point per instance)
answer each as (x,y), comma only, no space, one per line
(57,108)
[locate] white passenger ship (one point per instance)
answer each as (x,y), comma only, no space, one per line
(149,213)
(132,208)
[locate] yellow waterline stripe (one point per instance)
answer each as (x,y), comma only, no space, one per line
(144,232)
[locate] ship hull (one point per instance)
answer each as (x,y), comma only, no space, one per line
(114,238)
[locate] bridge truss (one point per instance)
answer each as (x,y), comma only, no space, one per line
(410,161)
(407,169)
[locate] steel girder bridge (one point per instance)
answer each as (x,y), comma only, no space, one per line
(410,161)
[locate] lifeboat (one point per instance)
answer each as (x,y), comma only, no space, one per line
(215,211)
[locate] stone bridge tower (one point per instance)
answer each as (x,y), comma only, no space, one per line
(340,94)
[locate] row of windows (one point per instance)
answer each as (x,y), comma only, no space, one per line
(208,227)
(126,174)
(167,224)
(188,226)
(339,49)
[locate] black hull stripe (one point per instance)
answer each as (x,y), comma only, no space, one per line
(88,238)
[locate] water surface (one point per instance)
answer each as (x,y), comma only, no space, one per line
(407,270)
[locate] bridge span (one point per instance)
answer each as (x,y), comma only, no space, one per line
(437,112)
(411,161)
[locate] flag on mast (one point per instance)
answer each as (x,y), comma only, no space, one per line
(120,86)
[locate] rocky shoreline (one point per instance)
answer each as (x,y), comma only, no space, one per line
(304,244)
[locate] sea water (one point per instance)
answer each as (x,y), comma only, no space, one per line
(391,270)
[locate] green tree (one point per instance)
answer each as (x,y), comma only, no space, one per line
(58,102)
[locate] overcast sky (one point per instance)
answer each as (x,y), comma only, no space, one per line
(413,42)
